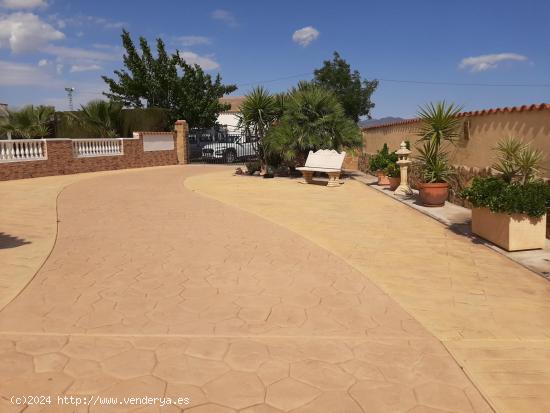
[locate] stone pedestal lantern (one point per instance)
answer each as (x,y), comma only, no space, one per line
(403,161)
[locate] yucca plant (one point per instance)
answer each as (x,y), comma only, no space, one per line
(435,163)
(439,123)
(29,122)
(100,118)
(259,111)
(517,161)
(440,126)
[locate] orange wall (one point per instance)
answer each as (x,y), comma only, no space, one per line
(484,133)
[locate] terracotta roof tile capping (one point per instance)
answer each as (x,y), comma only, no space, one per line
(523,108)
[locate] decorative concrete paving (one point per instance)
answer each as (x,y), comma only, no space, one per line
(154,290)
(492,314)
(28,226)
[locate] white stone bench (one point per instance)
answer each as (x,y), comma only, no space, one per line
(324,160)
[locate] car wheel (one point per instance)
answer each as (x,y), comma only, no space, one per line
(230,156)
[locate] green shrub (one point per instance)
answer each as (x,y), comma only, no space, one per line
(382,159)
(132,120)
(532,198)
(252,167)
(392,170)
(312,119)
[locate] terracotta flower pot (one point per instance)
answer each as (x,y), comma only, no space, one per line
(394,182)
(382,178)
(434,195)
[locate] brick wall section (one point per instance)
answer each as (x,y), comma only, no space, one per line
(61,160)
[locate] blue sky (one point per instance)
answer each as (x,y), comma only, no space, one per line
(46,45)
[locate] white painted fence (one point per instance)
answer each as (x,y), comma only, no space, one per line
(83,148)
(23,150)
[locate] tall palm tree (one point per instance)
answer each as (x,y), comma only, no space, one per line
(29,122)
(259,111)
(100,118)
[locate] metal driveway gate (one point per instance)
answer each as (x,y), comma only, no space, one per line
(219,146)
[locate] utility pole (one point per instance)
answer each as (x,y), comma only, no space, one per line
(70,91)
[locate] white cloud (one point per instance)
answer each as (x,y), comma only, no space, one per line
(207,63)
(305,36)
(43,62)
(225,16)
(84,68)
(76,53)
(59,69)
(22,4)
(192,40)
(19,74)
(81,21)
(26,32)
(489,61)
(106,23)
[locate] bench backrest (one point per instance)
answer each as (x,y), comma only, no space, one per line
(325,158)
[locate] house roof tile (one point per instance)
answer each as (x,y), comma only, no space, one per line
(523,108)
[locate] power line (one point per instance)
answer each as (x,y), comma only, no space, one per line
(405,81)
(415,82)
(422,82)
(274,80)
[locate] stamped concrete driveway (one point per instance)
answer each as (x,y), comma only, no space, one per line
(154,290)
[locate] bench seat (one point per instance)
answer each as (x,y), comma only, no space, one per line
(317,169)
(324,160)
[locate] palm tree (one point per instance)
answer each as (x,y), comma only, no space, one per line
(259,111)
(313,119)
(100,118)
(29,122)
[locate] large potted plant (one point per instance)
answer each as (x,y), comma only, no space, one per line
(380,161)
(440,127)
(394,175)
(510,209)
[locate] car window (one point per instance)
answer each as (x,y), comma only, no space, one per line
(226,139)
(205,137)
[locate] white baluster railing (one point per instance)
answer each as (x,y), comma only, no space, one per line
(85,148)
(18,150)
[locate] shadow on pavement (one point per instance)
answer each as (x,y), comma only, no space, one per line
(9,241)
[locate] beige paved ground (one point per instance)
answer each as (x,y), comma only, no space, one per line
(28,226)
(491,313)
(153,289)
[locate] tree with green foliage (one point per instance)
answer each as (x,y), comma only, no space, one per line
(313,119)
(99,118)
(167,81)
(352,91)
(29,122)
(259,111)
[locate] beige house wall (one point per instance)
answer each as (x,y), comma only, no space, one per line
(482,132)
